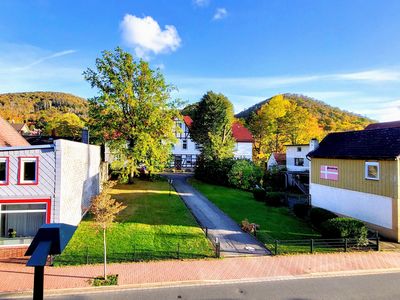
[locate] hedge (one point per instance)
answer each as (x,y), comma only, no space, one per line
(259,194)
(275,198)
(319,215)
(344,228)
(301,210)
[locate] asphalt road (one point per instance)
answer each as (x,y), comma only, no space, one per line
(381,286)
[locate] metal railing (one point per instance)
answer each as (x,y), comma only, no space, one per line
(322,245)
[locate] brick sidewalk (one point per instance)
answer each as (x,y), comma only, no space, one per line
(17,277)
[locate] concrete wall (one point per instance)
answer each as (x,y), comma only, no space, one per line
(292,153)
(244,150)
(77,179)
(370,208)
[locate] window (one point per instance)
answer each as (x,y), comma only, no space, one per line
(184,144)
(24,219)
(299,162)
(28,170)
(298,149)
(197,146)
(4,169)
(189,160)
(372,170)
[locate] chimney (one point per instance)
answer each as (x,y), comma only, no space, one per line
(313,144)
(85,135)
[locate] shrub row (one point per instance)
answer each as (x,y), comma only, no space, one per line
(330,225)
(238,173)
(270,198)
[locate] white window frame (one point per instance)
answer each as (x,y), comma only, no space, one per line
(7,162)
(22,161)
(372,163)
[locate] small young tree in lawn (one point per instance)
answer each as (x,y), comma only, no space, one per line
(105,209)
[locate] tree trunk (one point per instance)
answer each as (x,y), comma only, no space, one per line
(105,253)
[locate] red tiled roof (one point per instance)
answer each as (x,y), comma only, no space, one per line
(393,124)
(188,121)
(280,158)
(9,136)
(239,132)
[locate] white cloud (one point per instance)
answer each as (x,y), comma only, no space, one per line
(370,75)
(29,68)
(201,3)
(220,13)
(146,36)
(383,112)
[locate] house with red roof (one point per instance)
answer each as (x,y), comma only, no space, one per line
(186,151)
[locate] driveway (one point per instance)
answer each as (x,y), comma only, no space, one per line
(232,239)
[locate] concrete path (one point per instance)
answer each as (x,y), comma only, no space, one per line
(232,239)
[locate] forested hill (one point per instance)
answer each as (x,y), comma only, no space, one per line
(33,106)
(329,118)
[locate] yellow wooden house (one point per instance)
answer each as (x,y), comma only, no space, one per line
(356,174)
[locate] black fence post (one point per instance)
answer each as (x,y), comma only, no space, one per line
(345,244)
(206,231)
(178,252)
(276,247)
(87,255)
(312,246)
(217,248)
(377,242)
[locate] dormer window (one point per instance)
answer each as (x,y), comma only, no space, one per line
(28,170)
(4,170)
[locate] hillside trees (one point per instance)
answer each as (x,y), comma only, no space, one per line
(212,126)
(281,122)
(68,124)
(133,112)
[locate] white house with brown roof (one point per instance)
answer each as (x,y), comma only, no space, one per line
(185,151)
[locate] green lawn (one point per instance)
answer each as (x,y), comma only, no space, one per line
(152,227)
(275,222)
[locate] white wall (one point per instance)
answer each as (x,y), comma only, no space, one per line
(77,178)
(292,153)
(244,150)
(191,148)
(370,208)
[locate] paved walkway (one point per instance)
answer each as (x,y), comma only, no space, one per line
(232,239)
(16,276)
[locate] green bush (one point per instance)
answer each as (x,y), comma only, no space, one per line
(319,215)
(301,210)
(244,174)
(344,228)
(214,172)
(275,198)
(259,194)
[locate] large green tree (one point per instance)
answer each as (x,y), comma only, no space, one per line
(68,124)
(212,126)
(133,112)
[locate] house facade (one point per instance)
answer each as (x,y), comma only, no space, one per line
(276,160)
(45,184)
(356,174)
(185,151)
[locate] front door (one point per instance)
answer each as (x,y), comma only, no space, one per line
(178,162)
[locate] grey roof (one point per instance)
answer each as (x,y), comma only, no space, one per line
(364,144)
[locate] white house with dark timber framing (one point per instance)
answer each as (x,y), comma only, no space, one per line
(45,184)
(185,152)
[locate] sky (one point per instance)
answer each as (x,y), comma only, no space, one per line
(345,53)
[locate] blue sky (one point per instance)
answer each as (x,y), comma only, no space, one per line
(345,53)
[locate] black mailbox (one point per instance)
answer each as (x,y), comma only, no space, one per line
(51,239)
